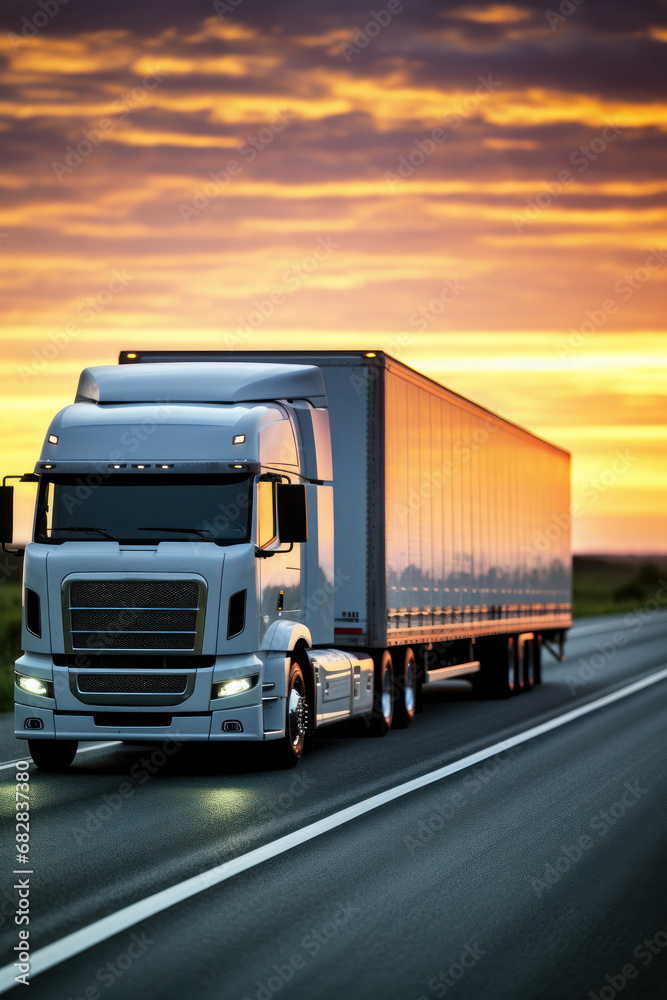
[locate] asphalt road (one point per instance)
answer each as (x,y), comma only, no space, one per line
(540,872)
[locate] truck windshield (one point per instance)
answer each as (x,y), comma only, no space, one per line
(144,508)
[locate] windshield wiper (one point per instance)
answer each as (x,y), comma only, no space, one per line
(192,531)
(100,531)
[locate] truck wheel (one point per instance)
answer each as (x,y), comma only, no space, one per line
(289,751)
(383,695)
(509,674)
(419,707)
(53,755)
(498,675)
(537,659)
(527,665)
(405,687)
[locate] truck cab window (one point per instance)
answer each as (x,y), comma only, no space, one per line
(266,514)
(153,507)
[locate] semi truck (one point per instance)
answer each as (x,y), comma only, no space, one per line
(234,547)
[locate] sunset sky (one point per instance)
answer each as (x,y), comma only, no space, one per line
(479,190)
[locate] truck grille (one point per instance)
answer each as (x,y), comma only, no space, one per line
(135,614)
(132,683)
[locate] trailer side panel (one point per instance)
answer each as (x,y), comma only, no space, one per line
(477,519)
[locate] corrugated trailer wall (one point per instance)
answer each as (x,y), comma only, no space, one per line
(477,518)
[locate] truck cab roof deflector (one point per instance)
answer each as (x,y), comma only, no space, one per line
(217,382)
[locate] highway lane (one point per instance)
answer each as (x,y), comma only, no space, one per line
(428,874)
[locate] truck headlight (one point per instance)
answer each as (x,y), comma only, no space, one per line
(237,685)
(34,685)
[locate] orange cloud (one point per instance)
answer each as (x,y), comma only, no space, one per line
(493,14)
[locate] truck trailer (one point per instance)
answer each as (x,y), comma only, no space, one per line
(246,546)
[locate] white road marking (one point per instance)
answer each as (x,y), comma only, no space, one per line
(98,746)
(586,630)
(101,930)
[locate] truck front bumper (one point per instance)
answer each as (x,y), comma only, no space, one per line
(186,728)
(254,715)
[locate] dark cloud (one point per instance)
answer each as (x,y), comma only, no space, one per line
(294,17)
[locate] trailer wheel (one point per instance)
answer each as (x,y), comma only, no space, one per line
(405,687)
(537,658)
(53,755)
(289,751)
(498,675)
(527,665)
(509,677)
(383,695)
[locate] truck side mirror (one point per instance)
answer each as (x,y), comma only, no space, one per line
(16,514)
(292,513)
(6,514)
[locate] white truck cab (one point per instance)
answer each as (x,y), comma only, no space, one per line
(167,586)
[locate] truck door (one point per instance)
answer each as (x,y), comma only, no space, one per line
(279,569)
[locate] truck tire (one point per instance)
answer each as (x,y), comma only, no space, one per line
(419,708)
(300,656)
(508,676)
(537,658)
(382,716)
(405,686)
(498,674)
(53,755)
(289,751)
(527,665)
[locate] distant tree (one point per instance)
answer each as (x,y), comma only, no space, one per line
(648,576)
(628,592)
